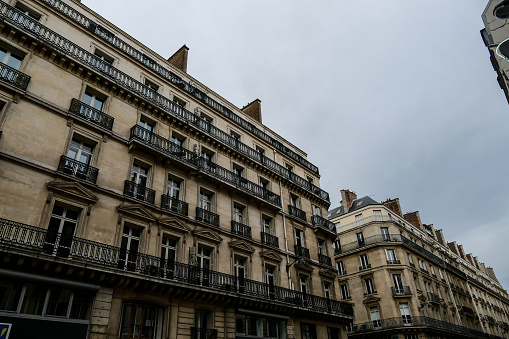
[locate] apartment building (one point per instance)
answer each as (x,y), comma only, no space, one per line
(135,202)
(406,281)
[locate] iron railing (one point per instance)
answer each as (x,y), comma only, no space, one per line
(207,217)
(241,229)
(324,224)
(399,291)
(301,251)
(393,262)
(364,267)
(14,77)
(173,204)
(203,333)
(324,259)
(139,192)
(298,213)
(18,235)
(434,297)
(72,50)
(77,169)
(269,239)
(91,114)
(406,321)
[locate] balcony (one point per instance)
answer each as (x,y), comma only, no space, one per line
(364,267)
(324,259)
(400,322)
(401,291)
(78,169)
(490,319)
(324,224)
(174,205)
(162,146)
(39,242)
(269,239)
(91,114)
(241,229)
(434,298)
(298,213)
(207,217)
(393,262)
(301,251)
(139,192)
(203,333)
(14,77)
(467,310)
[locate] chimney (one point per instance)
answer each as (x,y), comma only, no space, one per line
(179,59)
(482,267)
(453,247)
(254,110)
(414,219)
(440,237)
(347,198)
(462,252)
(393,205)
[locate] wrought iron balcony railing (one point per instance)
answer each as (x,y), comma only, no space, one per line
(301,251)
(91,114)
(393,262)
(77,169)
(173,204)
(364,267)
(241,229)
(405,322)
(324,259)
(207,217)
(40,241)
(65,46)
(14,77)
(180,153)
(434,297)
(203,333)
(324,224)
(139,192)
(292,210)
(269,239)
(400,291)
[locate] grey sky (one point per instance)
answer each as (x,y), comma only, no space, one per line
(391,98)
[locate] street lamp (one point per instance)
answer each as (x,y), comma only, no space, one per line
(301,261)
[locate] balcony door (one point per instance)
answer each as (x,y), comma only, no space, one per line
(204,258)
(168,256)
(405,314)
(385,233)
(146,131)
(360,239)
(201,323)
(270,280)
(129,248)
(375,317)
(81,152)
(10,59)
(173,187)
(139,177)
(61,229)
(240,273)
(398,283)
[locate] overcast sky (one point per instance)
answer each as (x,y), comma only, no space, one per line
(391,99)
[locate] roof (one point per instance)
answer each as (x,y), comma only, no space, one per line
(357,204)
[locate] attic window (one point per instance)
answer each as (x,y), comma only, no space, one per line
(358,203)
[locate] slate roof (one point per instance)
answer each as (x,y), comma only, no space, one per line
(356,205)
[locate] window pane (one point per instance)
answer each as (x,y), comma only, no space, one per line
(58,302)
(82,305)
(33,301)
(9,295)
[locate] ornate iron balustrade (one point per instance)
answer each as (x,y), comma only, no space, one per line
(298,213)
(364,267)
(324,224)
(393,262)
(324,259)
(400,291)
(434,297)
(14,77)
(203,333)
(207,217)
(173,204)
(269,239)
(139,192)
(301,251)
(115,41)
(77,169)
(467,310)
(104,68)
(18,235)
(241,229)
(375,239)
(91,114)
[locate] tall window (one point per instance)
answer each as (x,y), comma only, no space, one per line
(240,272)
(316,210)
(80,150)
(294,201)
(168,254)
(204,258)
(141,321)
(364,262)
(375,317)
(322,247)
(238,213)
(398,284)
(345,294)
(129,247)
(405,314)
(102,61)
(370,287)
(139,174)
(147,128)
(299,237)
(173,187)
(327,288)
(410,260)
(177,145)
(341,268)
(308,331)
(359,220)
(206,201)
(93,100)
(303,280)
(9,58)
(391,257)
(270,279)
(377,215)
(61,229)
(266,224)
(360,239)
(385,233)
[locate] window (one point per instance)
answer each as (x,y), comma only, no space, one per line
(129,247)
(259,327)
(179,102)
(377,215)
(141,321)
(289,168)
(364,262)
(432,269)
(240,272)
(150,89)
(391,257)
(303,280)
(25,11)
(206,200)
(310,180)
(238,172)
(267,224)
(12,59)
(322,247)
(441,274)
(327,288)
(341,268)
(405,314)
(333,333)
(294,201)
(385,233)
(410,260)
(204,259)
(260,150)
(398,284)
(422,265)
(173,188)
(80,150)
(146,131)
(234,139)
(102,61)
(78,160)
(139,180)
(61,229)
(308,331)
(208,159)
(375,317)
(316,210)
(168,255)
(360,239)
(264,183)
(205,123)
(177,145)
(345,294)
(359,220)
(370,288)
(238,213)
(270,279)
(299,238)
(93,99)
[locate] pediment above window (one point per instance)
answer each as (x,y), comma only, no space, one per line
(74,190)
(241,245)
(271,255)
(328,273)
(208,235)
(304,265)
(371,301)
(174,224)
(136,210)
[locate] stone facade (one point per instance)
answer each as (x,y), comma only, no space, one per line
(137,203)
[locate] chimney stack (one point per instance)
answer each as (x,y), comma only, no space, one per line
(347,198)
(414,219)
(179,58)
(393,205)
(254,110)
